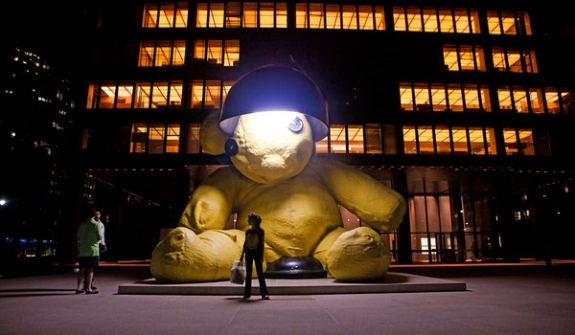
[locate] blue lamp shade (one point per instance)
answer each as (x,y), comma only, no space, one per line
(275,88)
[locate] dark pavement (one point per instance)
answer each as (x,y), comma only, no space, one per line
(519,298)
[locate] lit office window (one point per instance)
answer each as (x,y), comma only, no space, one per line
(167,15)
(215,50)
(513,99)
(267,15)
(476,140)
(336,16)
(503,24)
(337,139)
(461,18)
(233,15)
(143,94)
(316,18)
(172,138)
(332,16)
(529,61)
(165,94)
(210,15)
(139,138)
(425,140)
(301,20)
(160,95)
(176,92)
(107,95)
(442,140)
(455,97)
(445,21)
(520,100)
(213,94)
(460,141)
(226,53)
(422,98)
(514,60)
(414,19)
(406,97)
(438,97)
(379,15)
(552,101)
(349,17)
(162,53)
(125,95)
(536,100)
(250,15)
(232,53)
(202,15)
(92,97)
(355,139)
(508,23)
(281,15)
(178,53)
(146,53)
(445,140)
(193,145)
(216,15)
(409,140)
(499,62)
(526,140)
(197,94)
(490,141)
(463,58)
(156,138)
(430,24)
(518,141)
(210,94)
(476,98)
(199,50)
(365,18)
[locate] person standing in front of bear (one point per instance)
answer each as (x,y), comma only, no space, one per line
(89,235)
(98,218)
(254,251)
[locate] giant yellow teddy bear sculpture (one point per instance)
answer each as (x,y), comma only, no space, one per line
(276,174)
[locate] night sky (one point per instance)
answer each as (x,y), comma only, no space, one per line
(50,28)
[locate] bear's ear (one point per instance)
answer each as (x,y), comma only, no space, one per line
(212,138)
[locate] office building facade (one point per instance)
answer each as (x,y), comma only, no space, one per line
(465,109)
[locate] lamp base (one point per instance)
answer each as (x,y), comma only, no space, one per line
(300,267)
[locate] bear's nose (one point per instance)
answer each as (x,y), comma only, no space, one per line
(273,161)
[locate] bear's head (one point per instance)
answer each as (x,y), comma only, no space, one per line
(270,120)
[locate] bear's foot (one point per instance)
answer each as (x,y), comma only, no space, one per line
(358,255)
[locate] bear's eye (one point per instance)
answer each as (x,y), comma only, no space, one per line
(296,125)
(231,147)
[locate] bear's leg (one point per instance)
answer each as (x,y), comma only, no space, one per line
(358,255)
(184,257)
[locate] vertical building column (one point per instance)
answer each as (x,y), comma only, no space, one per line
(506,226)
(403,231)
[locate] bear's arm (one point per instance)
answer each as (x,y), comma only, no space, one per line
(374,203)
(211,203)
